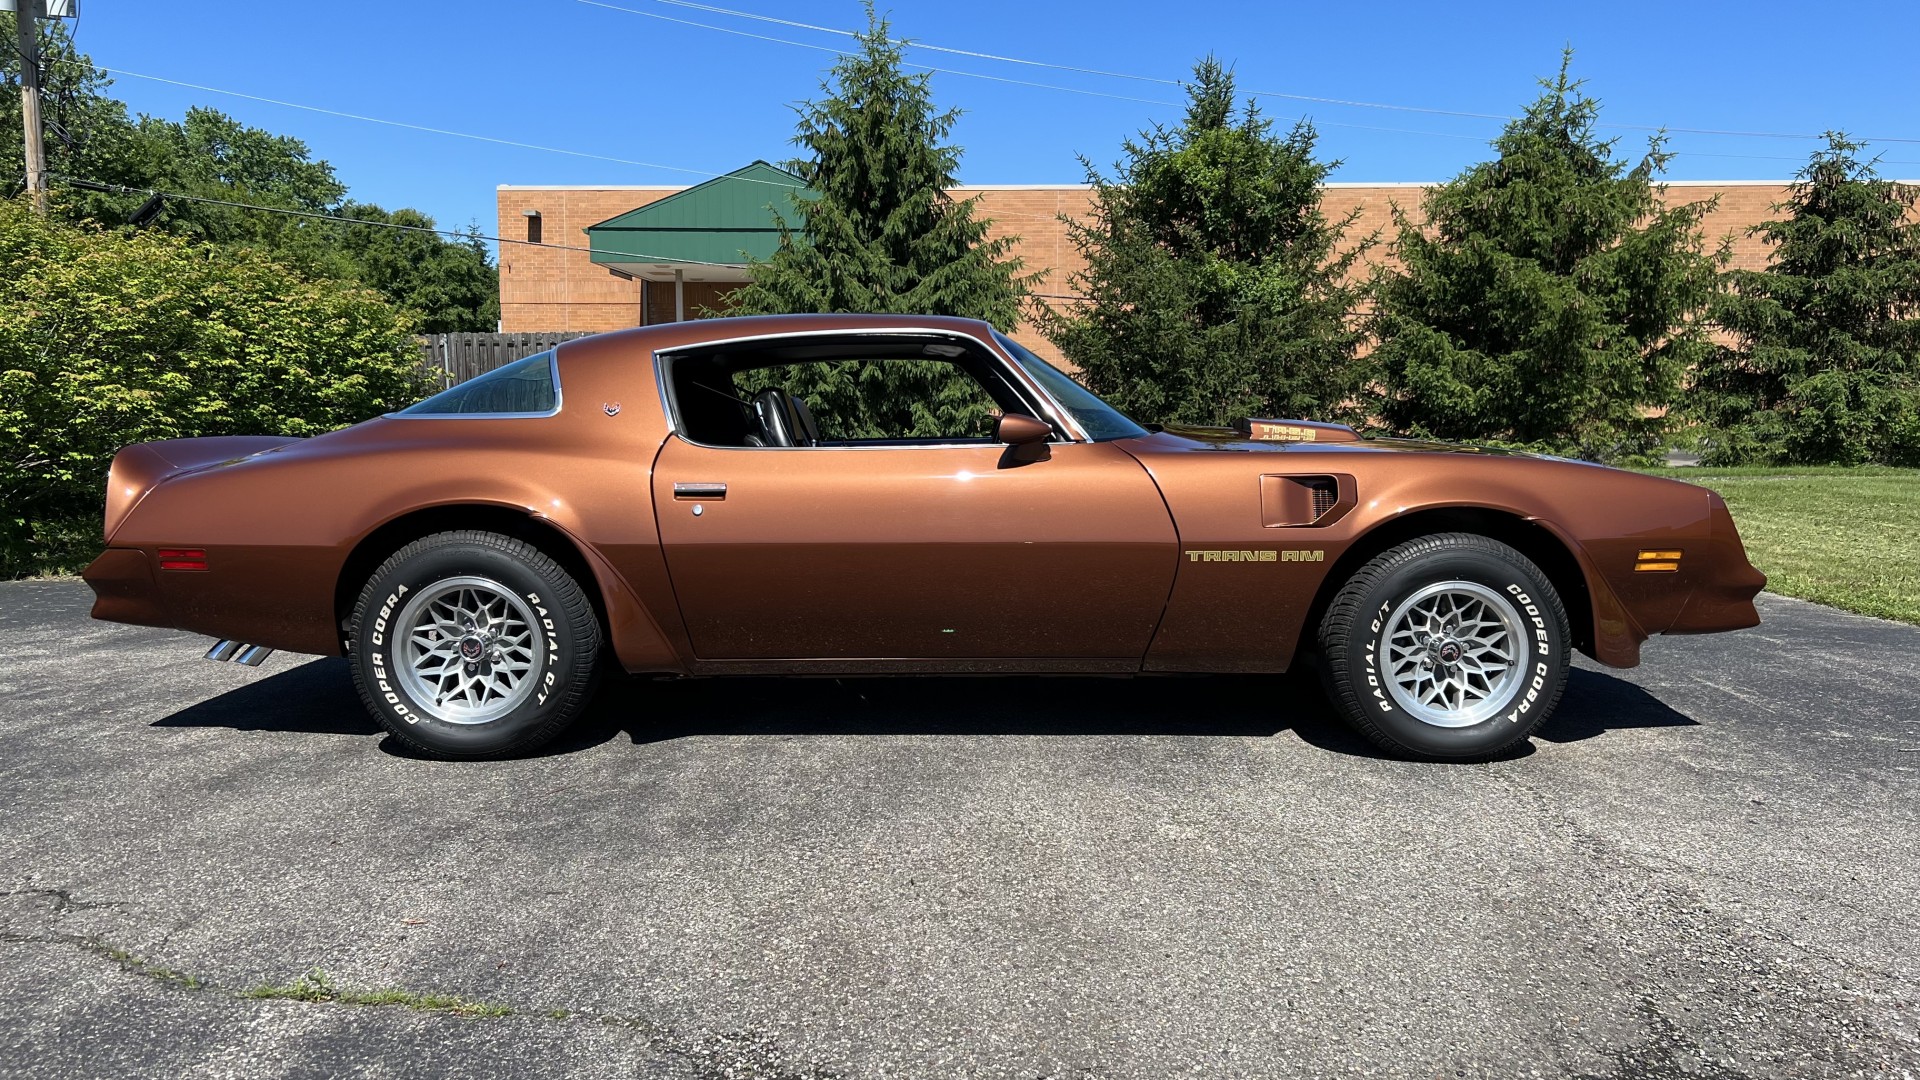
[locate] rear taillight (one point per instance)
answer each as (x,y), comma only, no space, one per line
(183,558)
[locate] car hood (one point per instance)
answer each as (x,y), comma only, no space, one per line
(1217,439)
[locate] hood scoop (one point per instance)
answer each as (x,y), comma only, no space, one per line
(1294,431)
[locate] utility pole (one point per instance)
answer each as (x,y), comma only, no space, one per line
(27,34)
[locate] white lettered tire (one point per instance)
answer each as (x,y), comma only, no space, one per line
(472,644)
(1448,647)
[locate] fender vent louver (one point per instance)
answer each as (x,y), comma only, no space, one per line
(1325,494)
(1296,501)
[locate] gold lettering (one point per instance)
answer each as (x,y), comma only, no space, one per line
(1241,555)
(1282,432)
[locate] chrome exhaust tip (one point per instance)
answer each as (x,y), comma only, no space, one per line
(239,652)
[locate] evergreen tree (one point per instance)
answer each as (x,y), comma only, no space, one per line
(875,231)
(1552,298)
(1215,288)
(1824,361)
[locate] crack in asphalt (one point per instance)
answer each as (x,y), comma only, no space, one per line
(64,900)
(719,1055)
(1601,848)
(1666,1051)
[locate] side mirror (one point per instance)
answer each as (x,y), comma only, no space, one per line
(1026,438)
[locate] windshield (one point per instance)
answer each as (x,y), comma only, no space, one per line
(1101,420)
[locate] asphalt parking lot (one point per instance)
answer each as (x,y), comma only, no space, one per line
(1706,867)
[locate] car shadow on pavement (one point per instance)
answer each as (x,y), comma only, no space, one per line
(318,698)
(1222,705)
(1596,703)
(939,705)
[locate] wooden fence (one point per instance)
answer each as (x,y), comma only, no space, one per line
(459,357)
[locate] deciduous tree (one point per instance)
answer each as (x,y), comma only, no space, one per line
(109,338)
(450,282)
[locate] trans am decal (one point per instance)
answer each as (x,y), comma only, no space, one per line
(1260,555)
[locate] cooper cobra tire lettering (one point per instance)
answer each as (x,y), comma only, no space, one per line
(563,660)
(387,692)
(1533,612)
(1353,657)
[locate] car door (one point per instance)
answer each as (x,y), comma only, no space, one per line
(948,553)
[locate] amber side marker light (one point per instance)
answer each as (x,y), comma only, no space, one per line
(183,558)
(1657,562)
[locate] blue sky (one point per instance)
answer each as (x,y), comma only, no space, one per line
(579,76)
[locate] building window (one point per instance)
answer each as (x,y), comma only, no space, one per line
(533,226)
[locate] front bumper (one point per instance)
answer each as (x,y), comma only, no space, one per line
(1722,597)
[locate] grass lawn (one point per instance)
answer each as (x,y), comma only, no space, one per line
(1845,537)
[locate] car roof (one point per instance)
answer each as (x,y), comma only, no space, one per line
(641,342)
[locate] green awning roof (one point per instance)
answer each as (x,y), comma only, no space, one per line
(726,220)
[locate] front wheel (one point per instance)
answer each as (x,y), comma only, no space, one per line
(1451,647)
(472,644)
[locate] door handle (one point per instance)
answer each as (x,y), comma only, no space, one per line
(707,490)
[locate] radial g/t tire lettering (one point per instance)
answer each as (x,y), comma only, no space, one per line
(472,644)
(1448,647)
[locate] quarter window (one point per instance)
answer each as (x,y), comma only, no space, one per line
(523,388)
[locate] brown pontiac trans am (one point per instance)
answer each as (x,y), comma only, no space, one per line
(658,501)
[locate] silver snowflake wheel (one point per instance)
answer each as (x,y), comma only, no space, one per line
(468,649)
(1452,653)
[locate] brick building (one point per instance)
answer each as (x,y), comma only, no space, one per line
(608,279)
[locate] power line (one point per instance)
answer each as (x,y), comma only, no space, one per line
(989,78)
(417,127)
(703,173)
(908,43)
(843,52)
(1351,103)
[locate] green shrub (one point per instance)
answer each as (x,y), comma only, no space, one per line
(111,338)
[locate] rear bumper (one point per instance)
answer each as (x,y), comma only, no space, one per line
(280,598)
(124,590)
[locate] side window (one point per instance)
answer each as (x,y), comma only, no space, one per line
(905,399)
(524,388)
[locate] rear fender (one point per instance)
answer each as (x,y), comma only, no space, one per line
(638,640)
(138,469)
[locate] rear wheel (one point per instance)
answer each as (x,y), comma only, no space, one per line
(472,644)
(1447,647)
